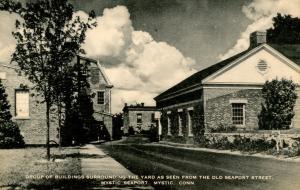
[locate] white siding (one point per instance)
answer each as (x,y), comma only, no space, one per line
(247,71)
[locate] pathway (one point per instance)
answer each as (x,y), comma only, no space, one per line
(105,172)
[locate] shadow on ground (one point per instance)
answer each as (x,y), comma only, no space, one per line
(78,155)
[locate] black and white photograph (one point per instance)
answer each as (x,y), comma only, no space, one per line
(150,94)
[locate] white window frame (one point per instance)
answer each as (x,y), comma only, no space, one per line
(244,113)
(16,104)
(103,97)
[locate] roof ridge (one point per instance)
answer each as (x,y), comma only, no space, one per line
(199,75)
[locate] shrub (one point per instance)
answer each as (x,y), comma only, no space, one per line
(294,148)
(131,131)
(279,101)
(10,136)
(223,143)
(238,142)
(252,144)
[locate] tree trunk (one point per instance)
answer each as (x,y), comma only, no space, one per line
(59,124)
(48,130)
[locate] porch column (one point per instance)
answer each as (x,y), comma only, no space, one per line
(169,123)
(180,122)
(189,119)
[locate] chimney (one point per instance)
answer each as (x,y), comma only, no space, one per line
(125,105)
(142,104)
(257,38)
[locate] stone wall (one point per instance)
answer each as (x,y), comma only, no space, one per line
(273,142)
(218,108)
(268,135)
(33,128)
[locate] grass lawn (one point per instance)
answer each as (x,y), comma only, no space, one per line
(27,168)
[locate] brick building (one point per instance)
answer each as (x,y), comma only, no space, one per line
(30,115)
(138,116)
(228,93)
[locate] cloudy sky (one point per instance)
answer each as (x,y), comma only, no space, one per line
(148,46)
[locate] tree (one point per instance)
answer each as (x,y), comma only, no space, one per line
(279,101)
(285,30)
(10,136)
(79,125)
(5,114)
(48,38)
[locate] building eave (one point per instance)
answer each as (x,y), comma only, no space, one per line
(109,84)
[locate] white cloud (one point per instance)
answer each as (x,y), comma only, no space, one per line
(112,35)
(145,67)
(138,66)
(262,12)
(7,41)
(150,67)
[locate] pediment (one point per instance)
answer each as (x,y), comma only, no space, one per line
(258,66)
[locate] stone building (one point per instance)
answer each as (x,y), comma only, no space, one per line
(228,93)
(101,87)
(139,117)
(30,115)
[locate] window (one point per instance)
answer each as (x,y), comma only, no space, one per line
(22,103)
(100,97)
(139,118)
(238,114)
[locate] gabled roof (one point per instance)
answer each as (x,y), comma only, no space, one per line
(109,84)
(101,69)
(291,51)
(197,77)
